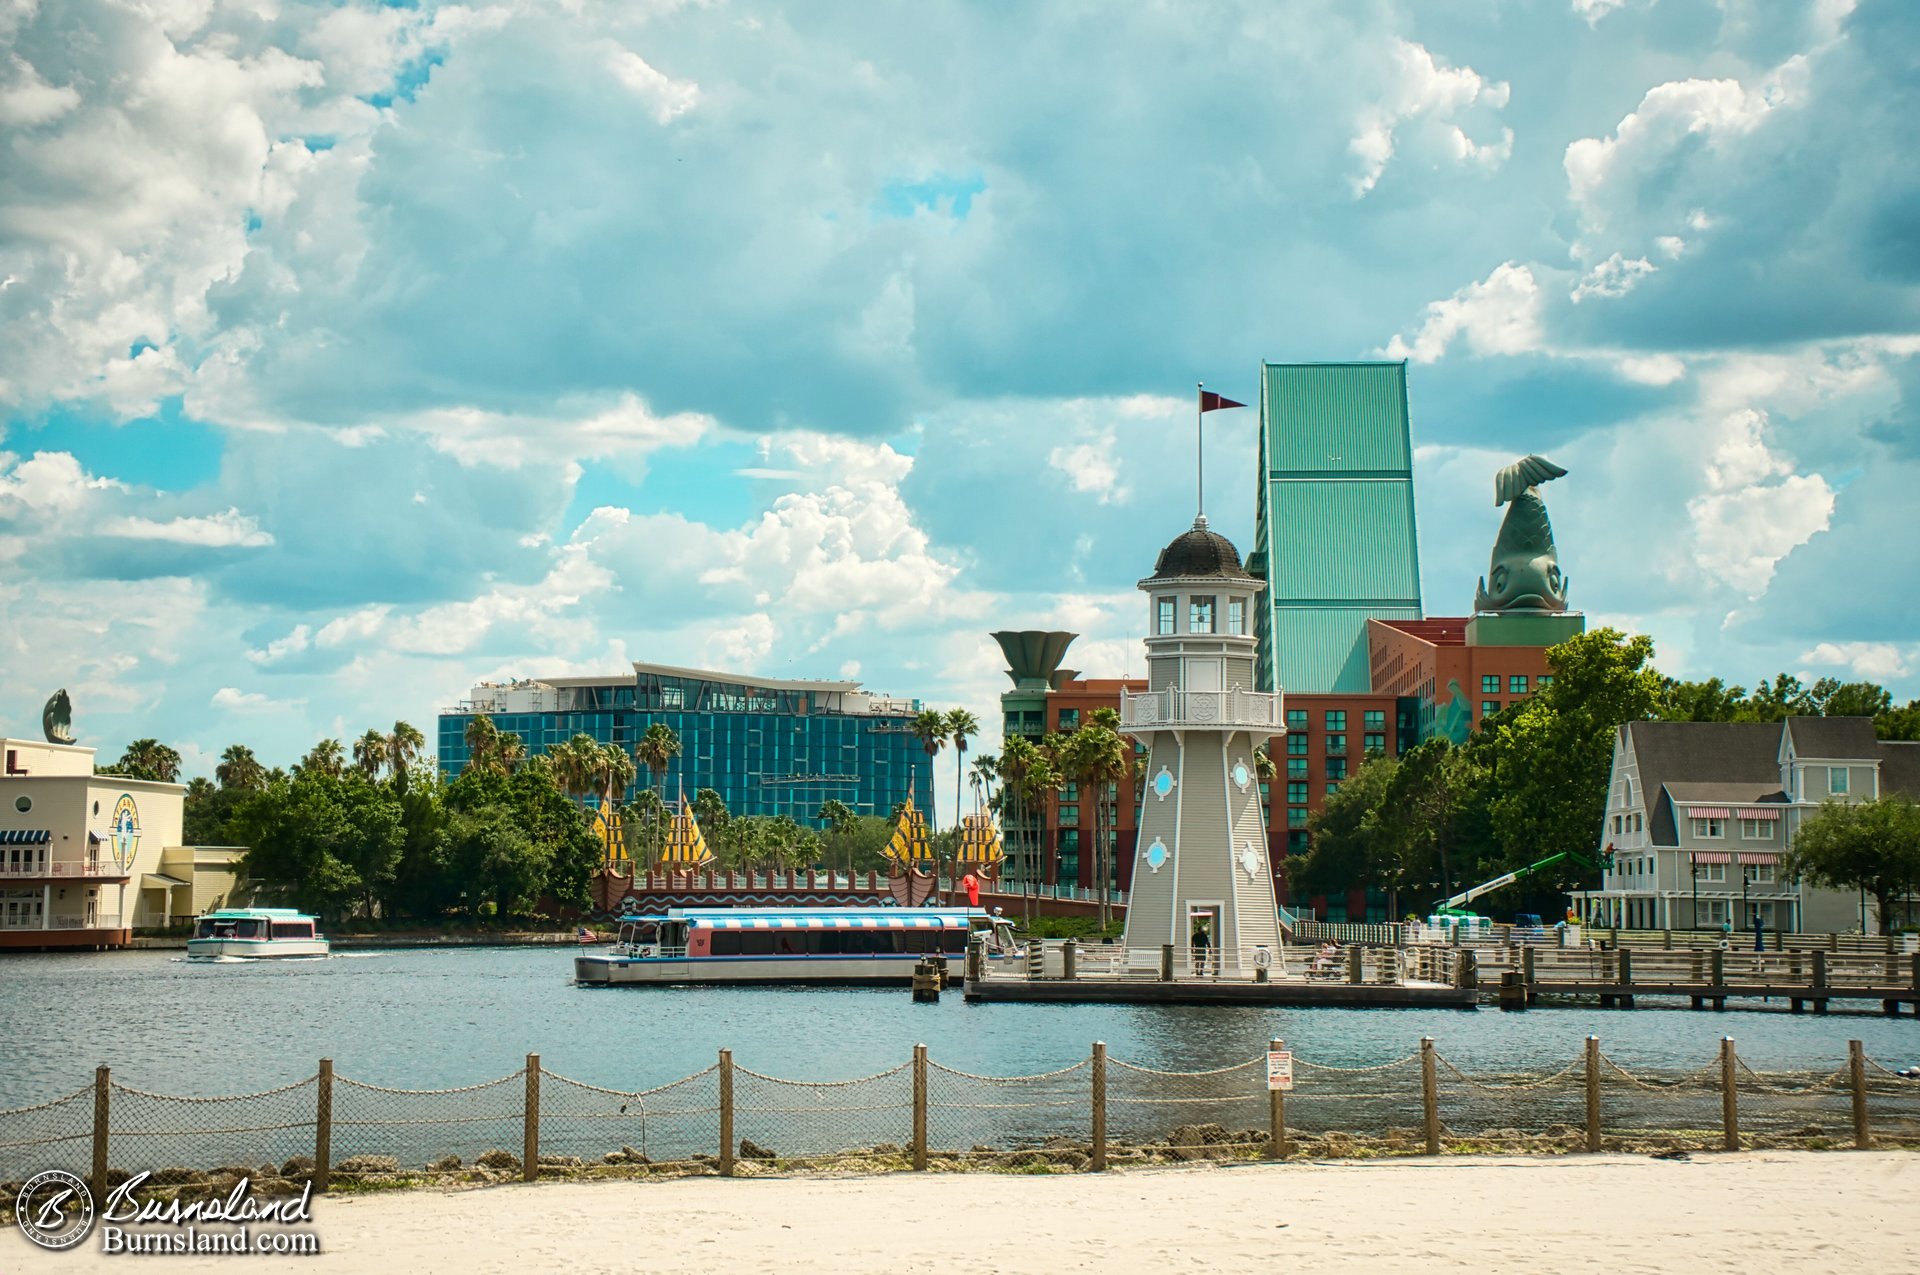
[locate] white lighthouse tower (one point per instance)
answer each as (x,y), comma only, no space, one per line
(1200,863)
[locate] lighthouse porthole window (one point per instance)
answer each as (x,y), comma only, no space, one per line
(1242,777)
(1157,854)
(1163,784)
(1250,860)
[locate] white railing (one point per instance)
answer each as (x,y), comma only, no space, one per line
(61,868)
(1251,710)
(75,921)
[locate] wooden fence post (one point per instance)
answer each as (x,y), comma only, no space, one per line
(1593,1093)
(1729,1096)
(323,1127)
(102,1088)
(1430,1095)
(1099,1160)
(1857,1080)
(726,1113)
(920,1107)
(1069,959)
(530,1157)
(1356,964)
(1276,1113)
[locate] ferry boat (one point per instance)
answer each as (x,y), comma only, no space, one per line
(874,946)
(257,933)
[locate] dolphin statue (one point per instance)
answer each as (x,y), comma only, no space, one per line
(1524,574)
(56,719)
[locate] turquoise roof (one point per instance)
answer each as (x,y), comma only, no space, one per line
(1335,528)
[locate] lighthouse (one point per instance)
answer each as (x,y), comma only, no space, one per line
(1200,861)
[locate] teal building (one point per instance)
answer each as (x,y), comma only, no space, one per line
(1334,528)
(768,746)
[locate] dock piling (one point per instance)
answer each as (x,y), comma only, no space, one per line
(1857,1082)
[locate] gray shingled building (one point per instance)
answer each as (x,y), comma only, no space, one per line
(1699,814)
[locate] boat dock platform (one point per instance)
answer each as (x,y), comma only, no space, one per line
(1707,977)
(1071,972)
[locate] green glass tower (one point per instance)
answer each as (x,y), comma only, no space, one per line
(1334,526)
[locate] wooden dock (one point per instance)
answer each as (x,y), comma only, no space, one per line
(1519,975)
(1382,977)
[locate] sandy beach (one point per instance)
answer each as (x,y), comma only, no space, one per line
(1765,1211)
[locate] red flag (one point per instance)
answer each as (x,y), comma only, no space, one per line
(1211,402)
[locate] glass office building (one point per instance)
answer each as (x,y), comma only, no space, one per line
(767,746)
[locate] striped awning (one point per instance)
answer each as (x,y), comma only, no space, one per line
(908,920)
(1712,856)
(1759,858)
(24,836)
(1759,812)
(1709,812)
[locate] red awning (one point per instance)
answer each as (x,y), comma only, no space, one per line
(1759,812)
(1759,858)
(1709,812)
(1712,856)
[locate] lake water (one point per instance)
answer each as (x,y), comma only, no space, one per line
(453,1016)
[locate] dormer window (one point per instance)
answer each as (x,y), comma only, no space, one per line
(1200,614)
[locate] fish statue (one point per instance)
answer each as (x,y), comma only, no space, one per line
(56,719)
(1524,574)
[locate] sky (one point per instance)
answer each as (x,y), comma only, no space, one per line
(353,354)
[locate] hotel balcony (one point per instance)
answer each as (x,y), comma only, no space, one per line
(63,870)
(1172,709)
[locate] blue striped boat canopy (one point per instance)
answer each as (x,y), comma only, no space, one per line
(902,919)
(24,836)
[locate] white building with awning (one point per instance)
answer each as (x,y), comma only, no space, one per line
(1700,815)
(86,859)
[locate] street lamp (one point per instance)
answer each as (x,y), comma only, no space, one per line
(1693,862)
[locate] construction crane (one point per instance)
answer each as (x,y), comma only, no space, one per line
(1487,887)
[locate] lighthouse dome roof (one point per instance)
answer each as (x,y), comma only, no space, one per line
(1199,553)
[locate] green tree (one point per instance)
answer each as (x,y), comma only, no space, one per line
(209,814)
(239,768)
(1899,723)
(1356,838)
(656,750)
(404,746)
(1097,760)
(961,727)
(1550,755)
(931,728)
(494,853)
(1872,846)
(147,759)
(1708,701)
(370,753)
(483,744)
(326,758)
(1438,796)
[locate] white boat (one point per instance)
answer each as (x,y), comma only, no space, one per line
(790,945)
(257,934)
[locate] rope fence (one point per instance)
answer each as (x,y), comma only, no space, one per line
(1099,1112)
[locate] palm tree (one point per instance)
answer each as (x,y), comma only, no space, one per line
(576,765)
(656,750)
(838,816)
(149,759)
(986,772)
(239,768)
(1017,758)
(509,751)
(960,724)
(1097,759)
(403,748)
(614,768)
(370,753)
(483,742)
(324,758)
(931,727)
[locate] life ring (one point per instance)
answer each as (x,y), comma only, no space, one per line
(1262,958)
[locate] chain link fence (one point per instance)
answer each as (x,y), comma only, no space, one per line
(1097,1113)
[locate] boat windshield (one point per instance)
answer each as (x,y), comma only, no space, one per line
(217,928)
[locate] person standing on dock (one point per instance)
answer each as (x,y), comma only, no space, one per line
(1202,941)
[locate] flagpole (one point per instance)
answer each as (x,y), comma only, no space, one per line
(1200,450)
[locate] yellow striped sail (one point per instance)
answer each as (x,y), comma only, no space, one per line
(980,847)
(686,847)
(909,848)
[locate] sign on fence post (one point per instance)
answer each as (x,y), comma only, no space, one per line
(1279,1081)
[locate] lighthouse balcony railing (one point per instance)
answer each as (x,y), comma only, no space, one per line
(1250,710)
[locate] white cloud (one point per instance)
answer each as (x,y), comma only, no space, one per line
(296,641)
(234,700)
(1873,661)
(1422,88)
(1755,509)
(229,529)
(26,100)
(666,97)
(1092,467)
(1651,369)
(625,428)
(1594,10)
(1614,277)
(357,626)
(1499,315)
